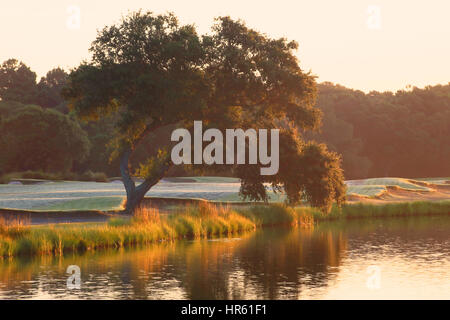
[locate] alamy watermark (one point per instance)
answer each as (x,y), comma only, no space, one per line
(374,280)
(74,280)
(213,153)
(374,17)
(73,21)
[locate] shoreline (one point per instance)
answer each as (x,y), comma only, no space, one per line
(168,205)
(205,221)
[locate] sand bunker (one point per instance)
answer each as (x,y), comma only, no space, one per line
(381,190)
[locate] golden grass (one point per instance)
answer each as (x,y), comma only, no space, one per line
(205,220)
(145,227)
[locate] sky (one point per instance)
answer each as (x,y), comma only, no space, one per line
(362,44)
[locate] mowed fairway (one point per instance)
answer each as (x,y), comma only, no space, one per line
(73,196)
(64,196)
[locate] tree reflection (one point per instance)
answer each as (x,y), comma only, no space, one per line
(266,264)
(259,265)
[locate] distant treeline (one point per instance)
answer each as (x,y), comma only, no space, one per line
(405,134)
(402,134)
(39,135)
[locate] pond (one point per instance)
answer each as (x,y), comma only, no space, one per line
(407,258)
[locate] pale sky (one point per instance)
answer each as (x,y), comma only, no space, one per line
(362,44)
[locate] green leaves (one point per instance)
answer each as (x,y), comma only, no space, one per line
(150,72)
(154,165)
(308,173)
(146,69)
(17,82)
(41,139)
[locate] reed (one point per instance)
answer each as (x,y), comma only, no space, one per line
(145,227)
(205,220)
(399,209)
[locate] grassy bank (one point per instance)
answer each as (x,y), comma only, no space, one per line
(279,214)
(395,209)
(146,227)
(203,221)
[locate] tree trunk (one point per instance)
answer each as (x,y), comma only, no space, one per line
(135,194)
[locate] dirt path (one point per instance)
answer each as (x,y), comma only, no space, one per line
(38,218)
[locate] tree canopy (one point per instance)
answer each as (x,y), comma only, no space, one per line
(32,138)
(149,72)
(17,82)
(49,90)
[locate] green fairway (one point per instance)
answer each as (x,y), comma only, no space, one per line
(73,196)
(95,203)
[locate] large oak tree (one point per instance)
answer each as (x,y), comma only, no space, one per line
(150,72)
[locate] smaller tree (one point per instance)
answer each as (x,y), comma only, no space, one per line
(17,82)
(49,89)
(41,139)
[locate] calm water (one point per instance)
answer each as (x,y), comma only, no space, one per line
(391,258)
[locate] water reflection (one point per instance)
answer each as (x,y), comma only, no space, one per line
(327,262)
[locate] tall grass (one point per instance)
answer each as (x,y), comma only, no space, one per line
(209,220)
(367,210)
(205,220)
(399,209)
(145,227)
(279,214)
